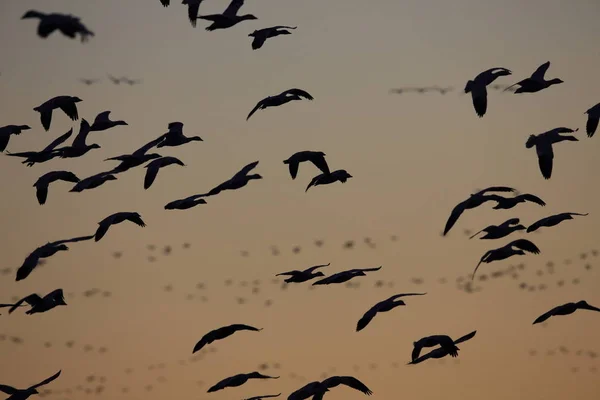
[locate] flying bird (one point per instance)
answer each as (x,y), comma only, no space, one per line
(154,166)
(68,104)
(68,25)
(502,230)
(536,81)
(229,17)
(131,82)
(593,119)
(340,175)
(383,306)
(565,309)
(114,80)
(474,201)
(42,184)
(345,276)
(442,351)
(8,130)
(552,220)
(46,154)
(515,248)
(543,147)
(222,333)
(45,251)
(261,35)
(315,157)
(478,87)
(238,380)
(103,122)
(41,304)
(24,394)
(297,276)
(238,181)
(79,147)
(317,390)
(187,203)
(136,158)
(89,82)
(506,203)
(115,219)
(93,182)
(175,136)
(280,99)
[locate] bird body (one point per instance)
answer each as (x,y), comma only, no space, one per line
(340,175)
(93,182)
(238,181)
(41,304)
(187,203)
(68,104)
(175,136)
(516,247)
(441,352)
(317,390)
(566,309)
(154,166)
(115,219)
(79,147)
(280,99)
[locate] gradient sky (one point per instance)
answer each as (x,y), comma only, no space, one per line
(413,158)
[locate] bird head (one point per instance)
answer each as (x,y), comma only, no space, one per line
(62,247)
(555,81)
(530,141)
(253,34)
(76,99)
(255,176)
(95,146)
(61,301)
(121,123)
(248,17)
(519,228)
(196,138)
(110,177)
(582,303)
(33,14)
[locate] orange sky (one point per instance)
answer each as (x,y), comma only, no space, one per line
(413,158)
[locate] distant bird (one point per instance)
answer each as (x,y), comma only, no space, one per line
(238,181)
(383,306)
(67,24)
(552,220)
(317,390)
(222,333)
(193,7)
(68,104)
(543,147)
(340,175)
(45,251)
(474,201)
(8,130)
(565,309)
(89,82)
(536,81)
(39,304)
(443,341)
(280,99)
(345,276)
(266,396)
(79,147)
(93,182)
(478,87)
(315,157)
(228,18)
(114,80)
(515,248)
(136,158)
(175,136)
(261,35)
(187,203)
(155,165)
(297,276)
(442,351)
(238,380)
(103,122)
(24,394)
(593,119)
(41,185)
(48,153)
(131,82)
(115,219)
(502,230)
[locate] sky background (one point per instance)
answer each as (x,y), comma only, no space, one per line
(412,157)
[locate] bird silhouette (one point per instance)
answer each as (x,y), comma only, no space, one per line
(565,309)
(297,276)
(228,18)
(79,147)
(175,136)
(442,352)
(46,154)
(592,120)
(115,219)
(68,25)
(552,220)
(536,81)
(445,342)
(136,158)
(238,181)
(317,158)
(68,104)
(502,230)
(340,175)
(24,394)
(187,203)
(8,130)
(238,380)
(103,122)
(516,247)
(193,7)
(280,99)
(543,147)
(317,390)
(92,182)
(42,184)
(222,333)
(345,276)
(41,304)
(154,166)
(261,35)
(383,306)
(478,87)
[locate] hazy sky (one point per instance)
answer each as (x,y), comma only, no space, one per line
(413,158)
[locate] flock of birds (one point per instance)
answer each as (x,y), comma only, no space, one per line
(443,345)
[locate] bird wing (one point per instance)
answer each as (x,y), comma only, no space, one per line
(539,73)
(233,8)
(546,315)
(206,339)
(136,219)
(41,193)
(397,296)
(244,171)
(282,27)
(260,105)
(84,130)
(142,150)
(298,92)
(591,125)
(258,42)
(32,300)
(46,381)
(311,269)
(454,215)
(366,318)
(526,245)
(151,173)
(349,381)
(70,108)
(31,261)
(465,338)
(45,28)
(532,198)
(56,294)
(8,389)
(314,181)
(545,155)
(512,221)
(479,97)
(165,3)
(503,189)
(193,8)
(73,240)
(243,327)
(480,261)
(61,139)
(320,163)
(538,224)
(288,273)
(102,117)
(368,269)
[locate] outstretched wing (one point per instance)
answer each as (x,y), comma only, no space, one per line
(84,130)
(243,327)
(483,258)
(539,73)
(465,338)
(233,8)
(298,92)
(320,163)
(60,140)
(349,381)
(503,189)
(258,106)
(8,389)
(136,219)
(454,215)
(46,381)
(103,116)
(142,150)
(368,269)
(282,27)
(311,269)
(526,245)
(545,316)
(314,181)
(532,198)
(32,300)
(73,240)
(244,171)
(366,318)
(397,296)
